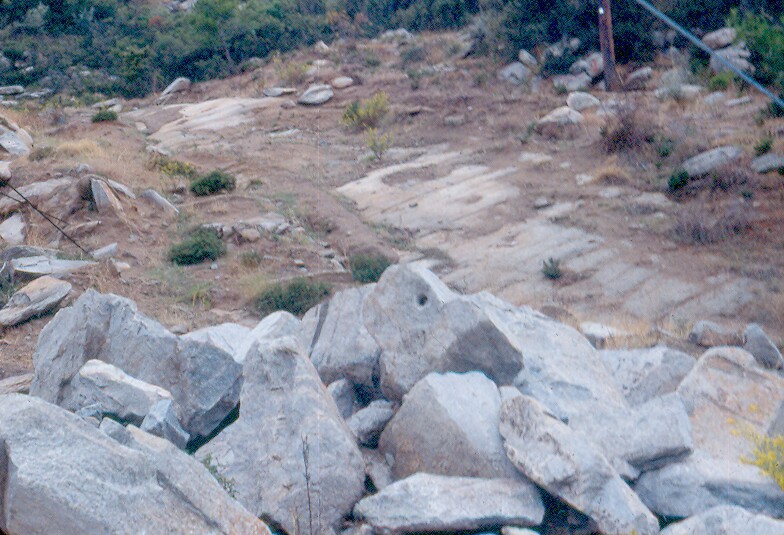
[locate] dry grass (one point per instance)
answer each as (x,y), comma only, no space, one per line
(79,148)
(611,172)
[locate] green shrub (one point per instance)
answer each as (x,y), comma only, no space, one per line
(367,268)
(213,183)
(678,180)
(367,113)
(296,296)
(104,116)
(721,81)
(558,64)
(551,268)
(413,54)
(765,39)
(201,244)
(763,146)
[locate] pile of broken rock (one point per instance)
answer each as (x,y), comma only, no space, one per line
(441,413)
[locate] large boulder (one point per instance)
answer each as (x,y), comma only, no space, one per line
(316,95)
(650,435)
(720,38)
(422,326)
(762,348)
(34,299)
(515,73)
(644,374)
(448,424)
(729,398)
(579,101)
(705,162)
(226,336)
(339,344)
(276,325)
(738,56)
(59,474)
(702,481)
(566,464)
(204,381)
(726,520)
(426,503)
(290,455)
(109,391)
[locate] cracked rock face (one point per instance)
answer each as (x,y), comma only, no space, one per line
(63,475)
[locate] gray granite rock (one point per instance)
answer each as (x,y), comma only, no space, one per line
(34,299)
(726,520)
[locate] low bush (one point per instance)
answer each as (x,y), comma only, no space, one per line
(763,146)
(702,225)
(296,297)
(201,244)
(721,81)
(172,167)
(212,183)
(104,116)
(764,36)
(626,132)
(367,113)
(678,180)
(367,268)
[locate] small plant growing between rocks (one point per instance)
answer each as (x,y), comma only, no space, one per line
(250,259)
(228,484)
(212,183)
(763,146)
(378,143)
(366,268)
(201,244)
(768,456)
(367,113)
(104,116)
(551,268)
(295,297)
(678,180)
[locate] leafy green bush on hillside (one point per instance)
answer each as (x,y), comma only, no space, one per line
(201,244)
(765,39)
(212,183)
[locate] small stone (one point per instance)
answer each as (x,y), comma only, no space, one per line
(542,202)
(762,347)
(342,82)
(710,334)
(316,94)
(580,101)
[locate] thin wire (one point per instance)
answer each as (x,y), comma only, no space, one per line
(705,48)
(45,216)
(20,201)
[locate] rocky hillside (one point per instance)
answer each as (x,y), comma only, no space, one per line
(171,233)
(396,407)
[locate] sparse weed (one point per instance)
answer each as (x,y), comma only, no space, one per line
(626,133)
(368,113)
(296,297)
(250,259)
(721,81)
(702,226)
(551,268)
(378,143)
(292,72)
(228,484)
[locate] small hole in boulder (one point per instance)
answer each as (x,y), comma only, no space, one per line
(422,300)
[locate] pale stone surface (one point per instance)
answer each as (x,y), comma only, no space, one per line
(448,424)
(720,38)
(204,380)
(67,477)
(12,230)
(567,465)
(226,336)
(34,299)
(515,73)
(289,426)
(424,503)
(316,94)
(580,101)
(726,520)
(706,162)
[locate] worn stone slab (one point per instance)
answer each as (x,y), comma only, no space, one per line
(34,299)
(425,503)
(707,161)
(726,520)
(12,230)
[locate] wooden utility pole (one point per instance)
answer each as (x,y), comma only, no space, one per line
(611,77)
